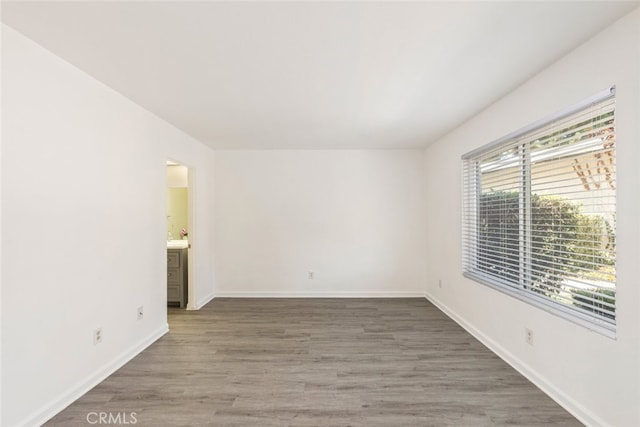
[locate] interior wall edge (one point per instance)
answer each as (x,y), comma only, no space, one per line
(571,405)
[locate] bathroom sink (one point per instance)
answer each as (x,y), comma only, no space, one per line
(177,244)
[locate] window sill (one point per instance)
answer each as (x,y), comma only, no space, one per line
(591,323)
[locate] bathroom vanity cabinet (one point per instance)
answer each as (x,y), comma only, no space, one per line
(177,277)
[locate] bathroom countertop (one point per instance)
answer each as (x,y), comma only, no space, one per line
(177,244)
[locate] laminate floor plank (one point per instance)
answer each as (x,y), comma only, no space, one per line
(317,362)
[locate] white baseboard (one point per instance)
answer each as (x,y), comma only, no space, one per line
(50,410)
(574,408)
(292,294)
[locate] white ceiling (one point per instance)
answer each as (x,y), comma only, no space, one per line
(312,75)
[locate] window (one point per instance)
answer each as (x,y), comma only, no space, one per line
(539,213)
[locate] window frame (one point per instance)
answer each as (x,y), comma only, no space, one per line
(471,205)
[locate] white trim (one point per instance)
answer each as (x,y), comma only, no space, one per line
(53,408)
(204,301)
(583,415)
(192,283)
(302,294)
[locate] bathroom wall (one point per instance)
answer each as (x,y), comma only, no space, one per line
(177,200)
(177,176)
(177,212)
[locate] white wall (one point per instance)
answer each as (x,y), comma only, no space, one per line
(1,238)
(355,218)
(81,158)
(596,378)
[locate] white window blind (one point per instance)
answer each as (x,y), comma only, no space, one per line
(539,214)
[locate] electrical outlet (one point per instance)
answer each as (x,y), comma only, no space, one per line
(440,284)
(97,336)
(311,274)
(140,312)
(528,336)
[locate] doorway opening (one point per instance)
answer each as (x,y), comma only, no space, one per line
(179,235)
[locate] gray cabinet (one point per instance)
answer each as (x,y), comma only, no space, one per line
(177,277)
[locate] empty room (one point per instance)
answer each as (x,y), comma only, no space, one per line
(342,213)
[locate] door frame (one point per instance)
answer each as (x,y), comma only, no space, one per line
(191,226)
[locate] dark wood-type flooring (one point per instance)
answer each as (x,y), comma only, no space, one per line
(317,362)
